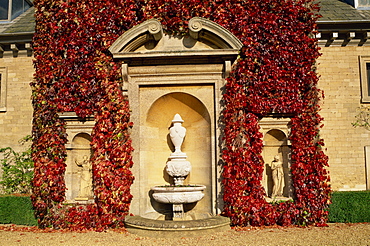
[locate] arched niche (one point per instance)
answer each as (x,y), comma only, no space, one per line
(78,173)
(157,147)
(183,103)
(276,143)
(81,140)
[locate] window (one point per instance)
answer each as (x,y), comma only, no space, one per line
(365,78)
(10,9)
(359,4)
(3,77)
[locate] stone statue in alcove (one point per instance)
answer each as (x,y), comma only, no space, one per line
(85,178)
(277,177)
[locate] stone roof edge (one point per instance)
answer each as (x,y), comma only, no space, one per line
(341,21)
(16,38)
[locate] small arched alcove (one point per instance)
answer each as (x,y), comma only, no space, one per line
(78,167)
(81,140)
(78,171)
(277,179)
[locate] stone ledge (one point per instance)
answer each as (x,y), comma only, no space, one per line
(164,228)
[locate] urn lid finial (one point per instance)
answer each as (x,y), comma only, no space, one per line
(177,118)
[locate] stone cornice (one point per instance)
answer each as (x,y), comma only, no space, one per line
(14,42)
(18,37)
(343,33)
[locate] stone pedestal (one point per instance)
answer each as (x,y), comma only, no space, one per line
(178,169)
(178,211)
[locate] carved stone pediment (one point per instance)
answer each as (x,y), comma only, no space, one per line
(205,39)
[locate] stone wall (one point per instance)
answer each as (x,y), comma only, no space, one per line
(16,119)
(340,79)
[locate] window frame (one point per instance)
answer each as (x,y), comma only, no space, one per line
(10,10)
(8,14)
(3,88)
(365,79)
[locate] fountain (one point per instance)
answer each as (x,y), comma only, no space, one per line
(177,194)
(178,168)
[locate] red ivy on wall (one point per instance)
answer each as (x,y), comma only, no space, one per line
(274,74)
(75,72)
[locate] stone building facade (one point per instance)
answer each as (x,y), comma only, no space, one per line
(344,42)
(344,38)
(16,72)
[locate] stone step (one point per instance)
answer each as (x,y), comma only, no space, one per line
(167,228)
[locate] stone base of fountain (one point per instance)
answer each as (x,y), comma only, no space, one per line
(164,228)
(178,196)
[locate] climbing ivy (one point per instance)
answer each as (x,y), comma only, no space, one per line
(75,72)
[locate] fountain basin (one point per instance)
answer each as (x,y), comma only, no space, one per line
(178,194)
